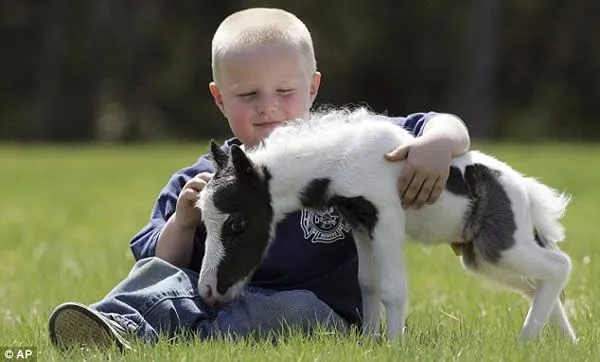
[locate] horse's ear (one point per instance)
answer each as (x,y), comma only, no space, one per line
(219,157)
(241,162)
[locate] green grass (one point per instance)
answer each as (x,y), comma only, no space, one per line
(67,214)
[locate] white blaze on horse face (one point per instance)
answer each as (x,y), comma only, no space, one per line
(214,252)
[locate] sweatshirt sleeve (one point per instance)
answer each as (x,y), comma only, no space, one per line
(143,244)
(414,123)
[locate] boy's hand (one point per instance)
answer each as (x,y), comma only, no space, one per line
(426,172)
(186,214)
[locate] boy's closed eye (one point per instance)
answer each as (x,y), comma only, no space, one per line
(252,94)
(285,91)
(247,94)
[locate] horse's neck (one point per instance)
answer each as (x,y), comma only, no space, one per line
(291,172)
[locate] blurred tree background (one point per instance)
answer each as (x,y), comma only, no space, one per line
(138,70)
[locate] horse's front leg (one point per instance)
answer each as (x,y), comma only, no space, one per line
(368,279)
(388,253)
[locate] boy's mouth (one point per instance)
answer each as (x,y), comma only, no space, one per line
(267,124)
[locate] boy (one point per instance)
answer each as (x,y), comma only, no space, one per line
(264,72)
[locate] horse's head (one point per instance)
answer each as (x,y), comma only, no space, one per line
(238,216)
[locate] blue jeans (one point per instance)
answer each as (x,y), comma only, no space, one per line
(158,298)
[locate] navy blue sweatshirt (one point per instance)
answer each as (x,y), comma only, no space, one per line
(313,250)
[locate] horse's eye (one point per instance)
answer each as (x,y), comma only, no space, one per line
(237,224)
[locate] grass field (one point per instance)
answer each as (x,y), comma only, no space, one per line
(67,214)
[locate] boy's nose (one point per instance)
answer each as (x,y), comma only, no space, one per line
(268,105)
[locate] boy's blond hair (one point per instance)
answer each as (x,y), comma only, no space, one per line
(261,26)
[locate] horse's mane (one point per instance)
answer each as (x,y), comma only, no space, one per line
(307,132)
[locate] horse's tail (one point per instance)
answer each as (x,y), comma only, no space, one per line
(547,207)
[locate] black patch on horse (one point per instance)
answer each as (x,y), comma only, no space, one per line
(315,194)
(357,211)
(490,225)
(245,234)
(456,183)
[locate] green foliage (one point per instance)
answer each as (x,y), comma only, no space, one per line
(67,213)
(116,71)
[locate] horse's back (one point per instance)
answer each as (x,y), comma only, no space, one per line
(360,168)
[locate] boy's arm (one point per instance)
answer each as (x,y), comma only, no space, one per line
(442,137)
(176,240)
(451,129)
(162,237)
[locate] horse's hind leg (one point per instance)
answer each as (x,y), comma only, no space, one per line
(523,285)
(558,316)
(560,321)
(550,269)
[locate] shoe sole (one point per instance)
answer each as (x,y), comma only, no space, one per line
(74,325)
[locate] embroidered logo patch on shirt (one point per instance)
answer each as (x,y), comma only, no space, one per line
(323,226)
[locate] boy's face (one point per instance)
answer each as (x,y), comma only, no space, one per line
(261,87)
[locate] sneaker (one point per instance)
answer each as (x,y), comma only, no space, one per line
(74,325)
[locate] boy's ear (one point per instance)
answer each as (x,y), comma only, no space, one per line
(314,86)
(241,163)
(219,157)
(216,94)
